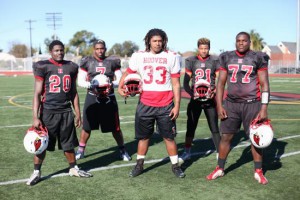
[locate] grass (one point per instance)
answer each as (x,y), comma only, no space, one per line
(157,182)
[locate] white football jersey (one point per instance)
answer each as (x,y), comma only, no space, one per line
(156,69)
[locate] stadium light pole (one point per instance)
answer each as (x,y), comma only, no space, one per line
(298,36)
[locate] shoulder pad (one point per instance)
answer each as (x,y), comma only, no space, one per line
(191,58)
(83,61)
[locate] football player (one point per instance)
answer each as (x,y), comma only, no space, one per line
(160,73)
(54,95)
(200,69)
(246,75)
(100,111)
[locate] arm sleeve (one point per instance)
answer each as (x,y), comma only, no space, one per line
(175,71)
(133,63)
(118,75)
(82,79)
(38,71)
(264,61)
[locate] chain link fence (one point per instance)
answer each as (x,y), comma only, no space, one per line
(25,64)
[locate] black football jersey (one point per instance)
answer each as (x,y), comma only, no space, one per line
(94,66)
(242,79)
(59,80)
(202,68)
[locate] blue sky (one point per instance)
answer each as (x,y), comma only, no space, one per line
(118,20)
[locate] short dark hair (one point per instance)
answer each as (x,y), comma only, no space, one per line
(55,42)
(99,42)
(156,32)
(243,33)
(204,41)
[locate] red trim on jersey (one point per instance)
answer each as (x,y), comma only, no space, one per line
(177,75)
(258,94)
(187,70)
(263,69)
(239,54)
(130,71)
(84,69)
(39,78)
(55,63)
(222,68)
(157,98)
(117,70)
(98,59)
(203,59)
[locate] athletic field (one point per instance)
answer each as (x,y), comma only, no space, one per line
(111,179)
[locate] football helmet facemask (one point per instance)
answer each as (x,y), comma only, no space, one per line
(100,86)
(261,133)
(202,90)
(36,140)
(133,85)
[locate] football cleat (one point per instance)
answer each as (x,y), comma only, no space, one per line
(177,171)
(259,176)
(218,172)
(138,168)
(79,155)
(185,156)
(75,171)
(34,178)
(261,133)
(124,155)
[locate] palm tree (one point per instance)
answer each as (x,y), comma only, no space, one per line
(257,42)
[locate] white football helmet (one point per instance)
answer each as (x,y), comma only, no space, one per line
(133,84)
(202,90)
(261,134)
(36,141)
(100,86)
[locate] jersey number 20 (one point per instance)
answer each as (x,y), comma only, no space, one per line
(55,82)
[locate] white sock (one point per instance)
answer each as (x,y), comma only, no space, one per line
(140,157)
(174,159)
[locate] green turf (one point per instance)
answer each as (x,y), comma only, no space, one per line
(157,182)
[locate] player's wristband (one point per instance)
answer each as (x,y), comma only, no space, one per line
(264,97)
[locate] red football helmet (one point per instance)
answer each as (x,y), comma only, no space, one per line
(261,133)
(100,86)
(202,90)
(133,84)
(36,140)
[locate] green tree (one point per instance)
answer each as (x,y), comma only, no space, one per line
(257,42)
(19,50)
(47,41)
(81,43)
(127,48)
(116,49)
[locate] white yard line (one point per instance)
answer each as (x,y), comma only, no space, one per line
(150,161)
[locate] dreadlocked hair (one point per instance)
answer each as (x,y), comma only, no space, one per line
(203,41)
(156,32)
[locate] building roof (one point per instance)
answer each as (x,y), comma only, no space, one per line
(291,46)
(274,49)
